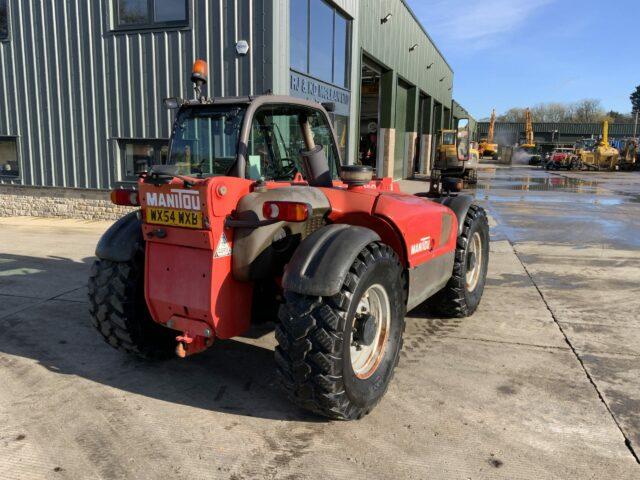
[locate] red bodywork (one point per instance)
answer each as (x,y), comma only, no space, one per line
(560,157)
(191,288)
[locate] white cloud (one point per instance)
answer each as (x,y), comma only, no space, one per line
(478,23)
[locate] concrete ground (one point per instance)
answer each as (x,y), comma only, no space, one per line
(541,383)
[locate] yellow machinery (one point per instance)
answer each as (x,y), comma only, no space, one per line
(603,156)
(529,145)
(447,157)
(487,146)
(529,141)
(629,156)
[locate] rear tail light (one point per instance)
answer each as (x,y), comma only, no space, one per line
(286,211)
(127,198)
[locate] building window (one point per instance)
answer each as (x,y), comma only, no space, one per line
(136,14)
(300,35)
(138,155)
(320,41)
(4,20)
(9,166)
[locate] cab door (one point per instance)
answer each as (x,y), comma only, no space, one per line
(278,135)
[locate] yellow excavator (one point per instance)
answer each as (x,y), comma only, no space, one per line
(629,156)
(487,147)
(448,161)
(529,145)
(603,156)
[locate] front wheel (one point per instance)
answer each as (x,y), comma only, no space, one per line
(462,295)
(336,356)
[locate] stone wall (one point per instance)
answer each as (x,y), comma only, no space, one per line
(16,200)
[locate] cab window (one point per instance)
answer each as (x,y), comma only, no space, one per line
(448,138)
(276,141)
(205,140)
(322,135)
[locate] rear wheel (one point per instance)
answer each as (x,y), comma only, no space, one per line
(119,311)
(462,295)
(336,356)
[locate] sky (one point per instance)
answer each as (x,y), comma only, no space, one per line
(517,53)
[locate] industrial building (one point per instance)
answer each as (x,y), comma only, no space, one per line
(82,83)
(548,134)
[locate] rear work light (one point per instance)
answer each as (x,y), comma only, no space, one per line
(286,211)
(127,198)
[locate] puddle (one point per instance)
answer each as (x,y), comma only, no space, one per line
(546,183)
(541,181)
(574,211)
(604,201)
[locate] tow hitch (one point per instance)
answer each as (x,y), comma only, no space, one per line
(196,336)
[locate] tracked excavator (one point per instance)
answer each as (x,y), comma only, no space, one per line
(487,147)
(529,146)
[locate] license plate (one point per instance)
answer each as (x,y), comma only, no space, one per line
(174,218)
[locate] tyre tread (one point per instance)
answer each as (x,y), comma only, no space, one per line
(113,306)
(451,301)
(312,376)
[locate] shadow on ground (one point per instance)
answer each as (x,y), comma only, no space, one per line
(234,376)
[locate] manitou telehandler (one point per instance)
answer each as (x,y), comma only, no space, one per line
(254,214)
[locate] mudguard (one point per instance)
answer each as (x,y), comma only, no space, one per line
(322,261)
(460,205)
(123,239)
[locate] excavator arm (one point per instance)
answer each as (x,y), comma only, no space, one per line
(492,127)
(529,141)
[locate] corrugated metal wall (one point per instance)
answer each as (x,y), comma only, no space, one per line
(618,129)
(70,85)
(390,42)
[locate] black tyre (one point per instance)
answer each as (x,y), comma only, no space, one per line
(119,311)
(336,356)
(472,177)
(462,295)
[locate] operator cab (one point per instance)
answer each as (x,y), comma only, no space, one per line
(448,137)
(253,138)
(256,138)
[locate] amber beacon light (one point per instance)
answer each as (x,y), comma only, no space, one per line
(199,76)
(199,73)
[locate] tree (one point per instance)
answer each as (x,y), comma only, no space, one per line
(585,111)
(512,115)
(635,101)
(617,117)
(589,110)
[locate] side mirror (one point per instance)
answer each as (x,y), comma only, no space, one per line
(463,139)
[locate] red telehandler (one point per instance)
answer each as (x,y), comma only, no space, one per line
(254,218)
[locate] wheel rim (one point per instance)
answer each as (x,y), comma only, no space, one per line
(474,262)
(366,358)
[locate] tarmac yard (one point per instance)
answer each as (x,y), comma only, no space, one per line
(542,382)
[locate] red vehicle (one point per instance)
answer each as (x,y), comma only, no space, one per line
(254,219)
(562,158)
